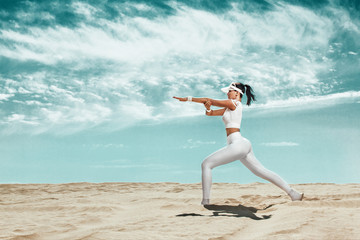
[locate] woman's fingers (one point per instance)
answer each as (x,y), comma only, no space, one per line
(180,99)
(207,103)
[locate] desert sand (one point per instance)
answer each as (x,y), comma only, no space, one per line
(173,211)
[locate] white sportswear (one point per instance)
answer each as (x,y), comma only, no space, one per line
(239,148)
(232,118)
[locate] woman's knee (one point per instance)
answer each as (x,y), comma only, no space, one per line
(206,164)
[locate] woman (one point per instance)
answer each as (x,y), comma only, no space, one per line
(238,148)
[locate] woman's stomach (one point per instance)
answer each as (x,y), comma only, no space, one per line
(231,130)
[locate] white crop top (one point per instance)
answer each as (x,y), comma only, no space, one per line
(232,119)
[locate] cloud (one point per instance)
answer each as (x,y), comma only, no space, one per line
(107,145)
(310,101)
(129,166)
(136,110)
(16,117)
(131,41)
(5,97)
(120,71)
(196,143)
(280,144)
(21,119)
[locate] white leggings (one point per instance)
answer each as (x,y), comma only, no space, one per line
(238,148)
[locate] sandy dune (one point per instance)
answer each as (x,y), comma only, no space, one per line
(173,211)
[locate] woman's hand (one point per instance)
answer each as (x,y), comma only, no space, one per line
(181,99)
(207,104)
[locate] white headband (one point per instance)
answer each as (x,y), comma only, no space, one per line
(233,87)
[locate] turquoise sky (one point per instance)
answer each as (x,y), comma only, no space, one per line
(86,88)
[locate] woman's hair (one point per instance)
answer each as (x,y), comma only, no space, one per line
(248,91)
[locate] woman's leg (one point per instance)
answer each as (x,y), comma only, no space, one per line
(259,170)
(223,156)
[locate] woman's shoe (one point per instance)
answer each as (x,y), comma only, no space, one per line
(295,195)
(205,202)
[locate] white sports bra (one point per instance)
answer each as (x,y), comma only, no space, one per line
(232,119)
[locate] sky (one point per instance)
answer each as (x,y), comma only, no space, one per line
(86,89)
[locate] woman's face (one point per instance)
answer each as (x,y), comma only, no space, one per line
(232,94)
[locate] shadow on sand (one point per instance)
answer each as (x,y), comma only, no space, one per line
(231,211)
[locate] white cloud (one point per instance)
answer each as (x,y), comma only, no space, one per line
(190,32)
(84,9)
(280,144)
(311,101)
(197,143)
(91,113)
(125,166)
(173,108)
(10,90)
(16,117)
(135,64)
(4,96)
(61,120)
(286,26)
(135,110)
(20,118)
(23,91)
(108,145)
(32,103)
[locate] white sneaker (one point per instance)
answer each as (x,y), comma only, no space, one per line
(205,202)
(295,195)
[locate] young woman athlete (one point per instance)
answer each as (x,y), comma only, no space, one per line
(238,147)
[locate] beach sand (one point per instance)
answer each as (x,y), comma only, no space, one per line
(173,211)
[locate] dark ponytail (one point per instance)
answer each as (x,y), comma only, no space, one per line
(249,94)
(248,91)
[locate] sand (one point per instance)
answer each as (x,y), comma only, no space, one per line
(173,211)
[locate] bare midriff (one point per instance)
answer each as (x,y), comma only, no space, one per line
(231,130)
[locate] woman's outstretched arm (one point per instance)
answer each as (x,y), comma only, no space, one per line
(198,100)
(218,103)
